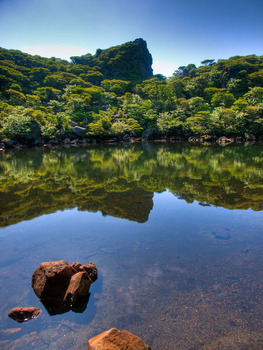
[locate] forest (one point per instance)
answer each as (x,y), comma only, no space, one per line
(113,95)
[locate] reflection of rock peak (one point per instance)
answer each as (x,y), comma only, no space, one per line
(120,180)
(134,205)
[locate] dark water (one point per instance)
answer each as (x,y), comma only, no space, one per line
(176,232)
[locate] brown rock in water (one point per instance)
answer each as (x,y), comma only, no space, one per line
(78,288)
(23,314)
(114,339)
(62,287)
(51,279)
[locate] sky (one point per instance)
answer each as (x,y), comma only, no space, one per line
(177,32)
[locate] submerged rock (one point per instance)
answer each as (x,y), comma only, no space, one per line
(222,233)
(23,314)
(113,339)
(61,287)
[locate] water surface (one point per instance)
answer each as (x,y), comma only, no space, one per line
(175,231)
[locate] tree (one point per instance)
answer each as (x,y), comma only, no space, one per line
(254,96)
(199,124)
(222,99)
(16,98)
(101,126)
(256,79)
(208,62)
(47,93)
(223,121)
(17,125)
(168,123)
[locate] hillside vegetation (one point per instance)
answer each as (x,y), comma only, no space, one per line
(113,94)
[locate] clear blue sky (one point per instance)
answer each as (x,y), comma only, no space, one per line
(178,32)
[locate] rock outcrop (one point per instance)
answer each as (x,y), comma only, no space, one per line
(23,314)
(61,287)
(114,339)
(129,61)
(79,131)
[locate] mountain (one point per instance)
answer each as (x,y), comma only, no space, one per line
(129,61)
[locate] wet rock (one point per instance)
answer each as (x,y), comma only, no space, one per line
(114,339)
(50,280)
(224,140)
(77,289)
(61,287)
(23,314)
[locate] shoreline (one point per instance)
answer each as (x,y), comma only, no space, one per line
(75,142)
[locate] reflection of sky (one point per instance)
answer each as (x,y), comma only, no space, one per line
(141,265)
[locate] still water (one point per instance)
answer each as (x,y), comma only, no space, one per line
(176,232)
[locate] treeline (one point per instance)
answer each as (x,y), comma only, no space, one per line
(113,94)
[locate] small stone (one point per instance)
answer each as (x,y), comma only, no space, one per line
(114,339)
(23,314)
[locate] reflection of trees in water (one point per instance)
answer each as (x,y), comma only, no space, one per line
(120,180)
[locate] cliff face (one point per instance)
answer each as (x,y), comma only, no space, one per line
(129,61)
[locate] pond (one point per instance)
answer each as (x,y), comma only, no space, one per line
(175,230)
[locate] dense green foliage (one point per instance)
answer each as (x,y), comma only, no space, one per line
(113,94)
(120,181)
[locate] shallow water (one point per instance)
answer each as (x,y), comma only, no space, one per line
(175,231)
